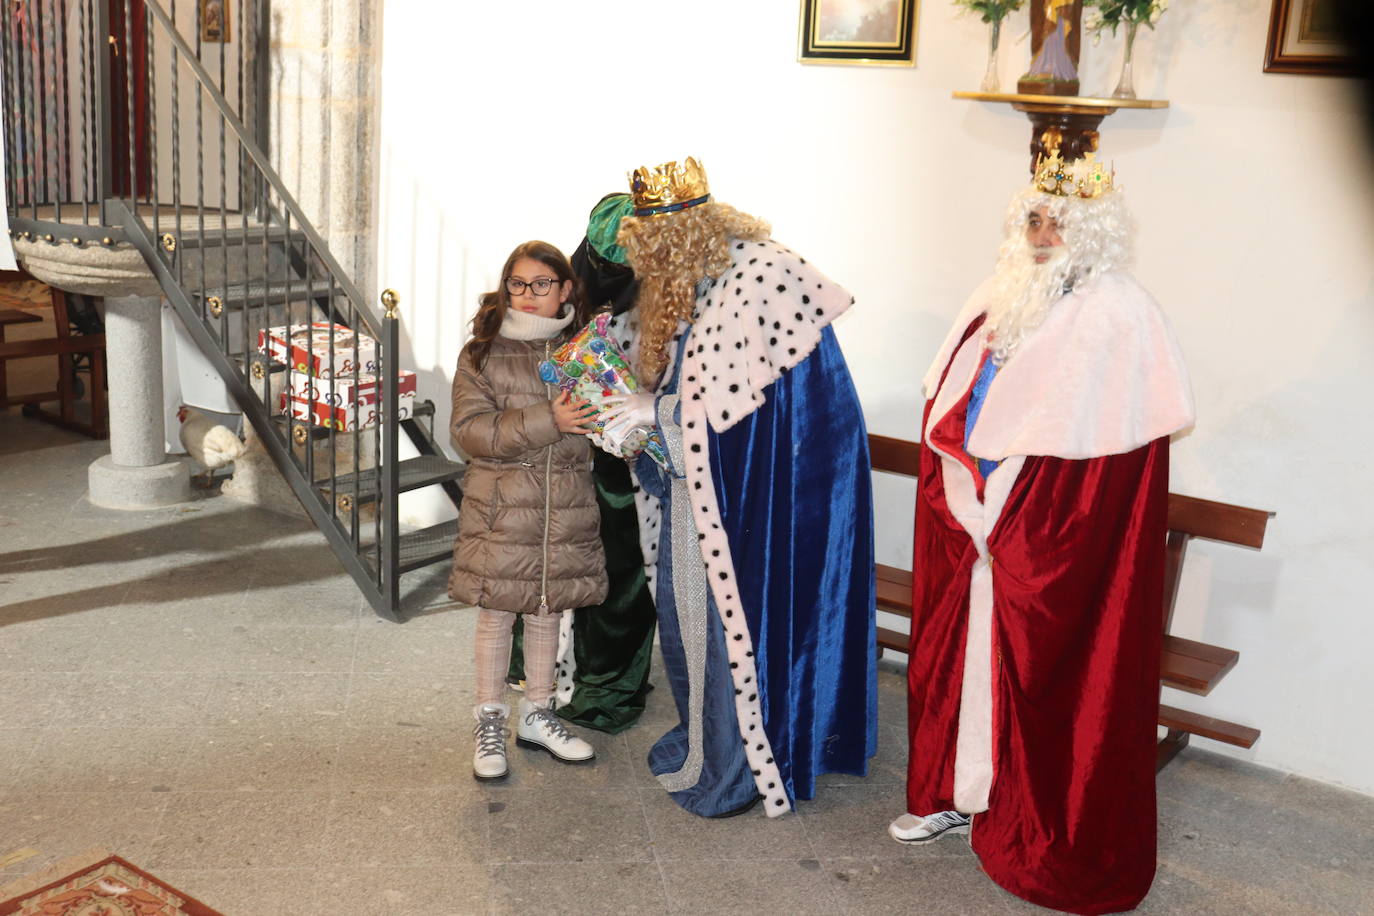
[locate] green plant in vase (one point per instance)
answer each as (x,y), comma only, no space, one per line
(1111,14)
(993,12)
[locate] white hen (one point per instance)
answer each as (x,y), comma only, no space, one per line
(211,444)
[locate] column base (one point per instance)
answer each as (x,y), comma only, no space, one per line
(115,486)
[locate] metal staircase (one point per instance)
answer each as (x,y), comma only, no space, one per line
(116,131)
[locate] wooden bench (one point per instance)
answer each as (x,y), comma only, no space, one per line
(1185,664)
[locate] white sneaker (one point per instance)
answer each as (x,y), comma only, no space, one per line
(540,727)
(919,830)
(489,759)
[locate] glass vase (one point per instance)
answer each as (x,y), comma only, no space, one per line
(1125,88)
(991,82)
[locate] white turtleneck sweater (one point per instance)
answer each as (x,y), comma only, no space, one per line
(518,325)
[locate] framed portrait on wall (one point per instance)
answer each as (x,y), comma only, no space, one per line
(865,32)
(1304,37)
(214,21)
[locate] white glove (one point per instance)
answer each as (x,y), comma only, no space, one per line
(624,416)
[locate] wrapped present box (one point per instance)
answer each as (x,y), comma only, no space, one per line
(342,391)
(592,367)
(305,347)
(330,402)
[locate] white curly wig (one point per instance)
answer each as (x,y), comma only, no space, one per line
(1097,240)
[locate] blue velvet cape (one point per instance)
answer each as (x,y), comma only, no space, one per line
(793,484)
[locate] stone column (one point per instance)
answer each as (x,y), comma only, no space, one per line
(137,473)
(323,114)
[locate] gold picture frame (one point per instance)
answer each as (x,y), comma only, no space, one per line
(1304,37)
(879,33)
(214,21)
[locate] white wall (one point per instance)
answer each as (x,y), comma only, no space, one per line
(1251,191)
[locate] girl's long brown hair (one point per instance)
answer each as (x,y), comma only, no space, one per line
(492,306)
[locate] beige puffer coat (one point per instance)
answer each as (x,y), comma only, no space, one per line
(529,523)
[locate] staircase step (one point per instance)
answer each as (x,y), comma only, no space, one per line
(237,296)
(428,545)
(235,235)
(415,473)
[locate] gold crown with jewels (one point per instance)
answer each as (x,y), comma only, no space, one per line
(1085,178)
(669,187)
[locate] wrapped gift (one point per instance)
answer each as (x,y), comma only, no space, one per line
(306,348)
(342,390)
(593,368)
(330,402)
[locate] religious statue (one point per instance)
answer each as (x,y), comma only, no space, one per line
(1056,36)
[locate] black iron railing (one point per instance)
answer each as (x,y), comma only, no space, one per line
(123,125)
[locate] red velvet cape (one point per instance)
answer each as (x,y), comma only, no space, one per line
(1078,553)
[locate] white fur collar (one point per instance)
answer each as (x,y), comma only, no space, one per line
(756,320)
(1103,375)
(518,325)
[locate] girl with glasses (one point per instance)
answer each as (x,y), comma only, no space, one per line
(528,530)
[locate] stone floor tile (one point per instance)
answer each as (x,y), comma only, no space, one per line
(403,698)
(216,649)
(453,889)
(754,836)
(410,827)
(559,826)
(102,759)
(62,824)
(275,700)
(584,889)
(404,757)
(329,601)
(133,700)
(1176,892)
(17,748)
(48,649)
(431,649)
(243,891)
(798,888)
(915,885)
(240,830)
(32,699)
(239,759)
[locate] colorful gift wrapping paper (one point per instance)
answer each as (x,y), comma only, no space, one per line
(593,368)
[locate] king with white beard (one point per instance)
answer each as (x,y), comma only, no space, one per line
(1039,557)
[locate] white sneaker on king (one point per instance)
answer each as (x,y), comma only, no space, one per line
(539,726)
(489,759)
(916,831)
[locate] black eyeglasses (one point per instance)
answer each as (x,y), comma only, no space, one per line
(540,287)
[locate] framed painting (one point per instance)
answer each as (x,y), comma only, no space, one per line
(871,32)
(214,21)
(1305,37)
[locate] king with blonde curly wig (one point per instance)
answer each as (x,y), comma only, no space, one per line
(764,591)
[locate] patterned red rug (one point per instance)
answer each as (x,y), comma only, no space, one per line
(108,887)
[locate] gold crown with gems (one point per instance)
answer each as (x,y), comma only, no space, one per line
(1085,178)
(669,187)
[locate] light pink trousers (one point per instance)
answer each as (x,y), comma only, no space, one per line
(493,654)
